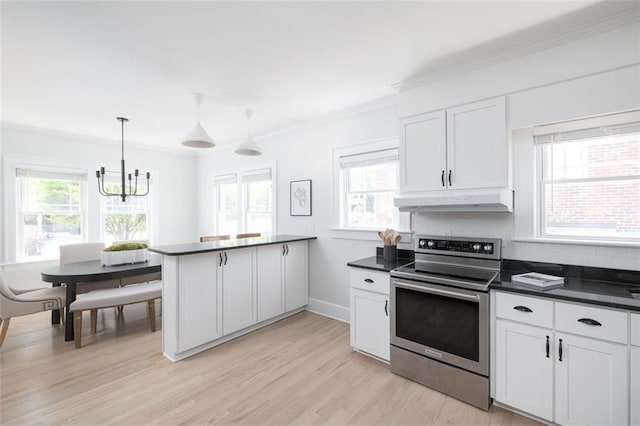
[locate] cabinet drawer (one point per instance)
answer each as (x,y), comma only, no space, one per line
(367,279)
(524,309)
(635,329)
(594,322)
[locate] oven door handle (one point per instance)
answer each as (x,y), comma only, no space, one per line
(472,298)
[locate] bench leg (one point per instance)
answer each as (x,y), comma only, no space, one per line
(152,314)
(4,326)
(77,328)
(94,320)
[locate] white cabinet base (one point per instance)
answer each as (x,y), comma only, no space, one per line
(177,356)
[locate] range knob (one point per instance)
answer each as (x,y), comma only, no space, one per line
(431,243)
(422,243)
(476,246)
(488,247)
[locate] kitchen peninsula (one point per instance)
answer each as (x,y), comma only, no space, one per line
(216,291)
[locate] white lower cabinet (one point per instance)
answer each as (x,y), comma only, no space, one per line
(238,290)
(296,277)
(591,381)
(524,376)
(213,296)
(369,300)
(370,322)
(635,385)
(199,303)
(634,376)
(585,375)
(270,281)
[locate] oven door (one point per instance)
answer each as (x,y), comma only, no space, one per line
(445,323)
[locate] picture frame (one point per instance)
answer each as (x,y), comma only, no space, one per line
(300,198)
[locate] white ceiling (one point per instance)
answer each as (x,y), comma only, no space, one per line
(75,66)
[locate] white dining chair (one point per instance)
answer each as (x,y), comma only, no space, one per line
(15,303)
(83,252)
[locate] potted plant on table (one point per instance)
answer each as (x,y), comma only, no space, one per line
(120,254)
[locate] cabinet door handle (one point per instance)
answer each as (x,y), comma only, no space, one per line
(220,254)
(225,258)
(283,249)
(590,321)
(547,346)
(522,308)
(442,178)
(560,351)
(386,307)
(368,280)
(287,246)
(449,177)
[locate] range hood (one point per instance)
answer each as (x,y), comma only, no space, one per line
(485,200)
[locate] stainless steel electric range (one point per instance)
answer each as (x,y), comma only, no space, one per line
(440,315)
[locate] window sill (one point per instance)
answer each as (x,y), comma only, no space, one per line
(365,234)
(541,240)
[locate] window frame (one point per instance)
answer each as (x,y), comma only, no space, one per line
(242,199)
(150,207)
(13,229)
(528,181)
(339,227)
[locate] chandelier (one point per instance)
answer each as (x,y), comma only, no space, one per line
(132,191)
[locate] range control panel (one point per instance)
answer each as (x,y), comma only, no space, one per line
(481,247)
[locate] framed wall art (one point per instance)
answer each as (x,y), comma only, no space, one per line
(300,198)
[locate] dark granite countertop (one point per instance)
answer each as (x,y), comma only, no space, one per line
(599,286)
(193,248)
(377,263)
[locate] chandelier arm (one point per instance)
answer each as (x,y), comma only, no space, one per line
(135,186)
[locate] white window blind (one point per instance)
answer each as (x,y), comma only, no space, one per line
(226,179)
(41,173)
(586,134)
(369,158)
(256,176)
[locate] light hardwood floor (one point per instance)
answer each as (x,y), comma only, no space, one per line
(298,371)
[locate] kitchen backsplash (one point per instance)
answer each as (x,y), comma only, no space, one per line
(500,225)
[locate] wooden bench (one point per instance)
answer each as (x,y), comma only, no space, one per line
(111,297)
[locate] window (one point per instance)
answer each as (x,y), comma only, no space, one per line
(367,177)
(127,220)
(589,180)
(244,202)
(50,210)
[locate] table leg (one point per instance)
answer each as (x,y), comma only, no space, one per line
(55,313)
(71,296)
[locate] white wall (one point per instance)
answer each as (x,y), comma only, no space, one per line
(176,196)
(307,154)
(588,77)
(606,62)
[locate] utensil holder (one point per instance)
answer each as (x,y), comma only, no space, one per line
(389,253)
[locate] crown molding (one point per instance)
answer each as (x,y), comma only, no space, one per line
(91,138)
(591,21)
(380,103)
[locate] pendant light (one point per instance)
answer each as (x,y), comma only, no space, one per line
(198,137)
(124,193)
(249,146)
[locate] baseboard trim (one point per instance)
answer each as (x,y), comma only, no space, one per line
(331,310)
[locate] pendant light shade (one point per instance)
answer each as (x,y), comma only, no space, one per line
(198,137)
(249,146)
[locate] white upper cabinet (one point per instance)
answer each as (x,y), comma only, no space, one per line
(477,154)
(459,148)
(423,152)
